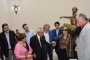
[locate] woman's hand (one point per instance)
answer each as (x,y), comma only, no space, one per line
(30,53)
(29,56)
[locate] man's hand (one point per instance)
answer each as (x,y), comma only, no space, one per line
(75,48)
(34,56)
(53,43)
(60,36)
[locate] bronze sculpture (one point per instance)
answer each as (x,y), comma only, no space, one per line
(71,28)
(73,17)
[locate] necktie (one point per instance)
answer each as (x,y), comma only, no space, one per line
(41,41)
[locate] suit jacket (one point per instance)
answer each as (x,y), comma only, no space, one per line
(22,51)
(12,38)
(37,49)
(77,31)
(1,51)
(57,38)
(83,43)
(51,36)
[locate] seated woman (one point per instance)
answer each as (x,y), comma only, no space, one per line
(63,45)
(23,50)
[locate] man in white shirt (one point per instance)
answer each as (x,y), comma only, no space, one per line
(29,33)
(49,39)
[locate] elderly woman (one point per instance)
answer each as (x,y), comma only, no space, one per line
(22,49)
(63,45)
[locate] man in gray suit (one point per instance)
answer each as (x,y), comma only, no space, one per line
(83,43)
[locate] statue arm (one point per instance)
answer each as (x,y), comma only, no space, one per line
(65,17)
(65,25)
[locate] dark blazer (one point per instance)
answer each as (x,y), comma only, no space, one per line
(1,51)
(0,48)
(51,36)
(57,38)
(77,31)
(37,49)
(12,38)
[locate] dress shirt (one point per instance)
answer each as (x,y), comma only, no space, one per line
(29,34)
(46,34)
(8,40)
(57,31)
(39,40)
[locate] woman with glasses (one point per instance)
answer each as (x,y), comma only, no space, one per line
(64,45)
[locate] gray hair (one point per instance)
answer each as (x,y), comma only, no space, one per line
(81,15)
(46,26)
(39,29)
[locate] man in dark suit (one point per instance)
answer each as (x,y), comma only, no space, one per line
(57,35)
(8,40)
(1,51)
(38,45)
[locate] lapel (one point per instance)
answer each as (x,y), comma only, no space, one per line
(5,39)
(58,32)
(49,36)
(55,33)
(37,41)
(23,47)
(10,36)
(4,36)
(84,28)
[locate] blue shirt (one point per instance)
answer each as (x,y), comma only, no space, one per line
(57,33)
(29,34)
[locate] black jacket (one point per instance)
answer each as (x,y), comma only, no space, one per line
(12,38)
(37,49)
(1,51)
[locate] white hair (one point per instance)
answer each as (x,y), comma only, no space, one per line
(39,29)
(83,16)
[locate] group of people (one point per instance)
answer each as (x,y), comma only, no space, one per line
(28,45)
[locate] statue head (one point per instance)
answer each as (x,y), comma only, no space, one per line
(74,9)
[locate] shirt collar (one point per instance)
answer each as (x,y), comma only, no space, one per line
(28,31)
(45,32)
(38,36)
(57,29)
(6,33)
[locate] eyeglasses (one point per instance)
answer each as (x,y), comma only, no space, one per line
(64,30)
(6,27)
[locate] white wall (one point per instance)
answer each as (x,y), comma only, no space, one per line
(38,12)
(4,15)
